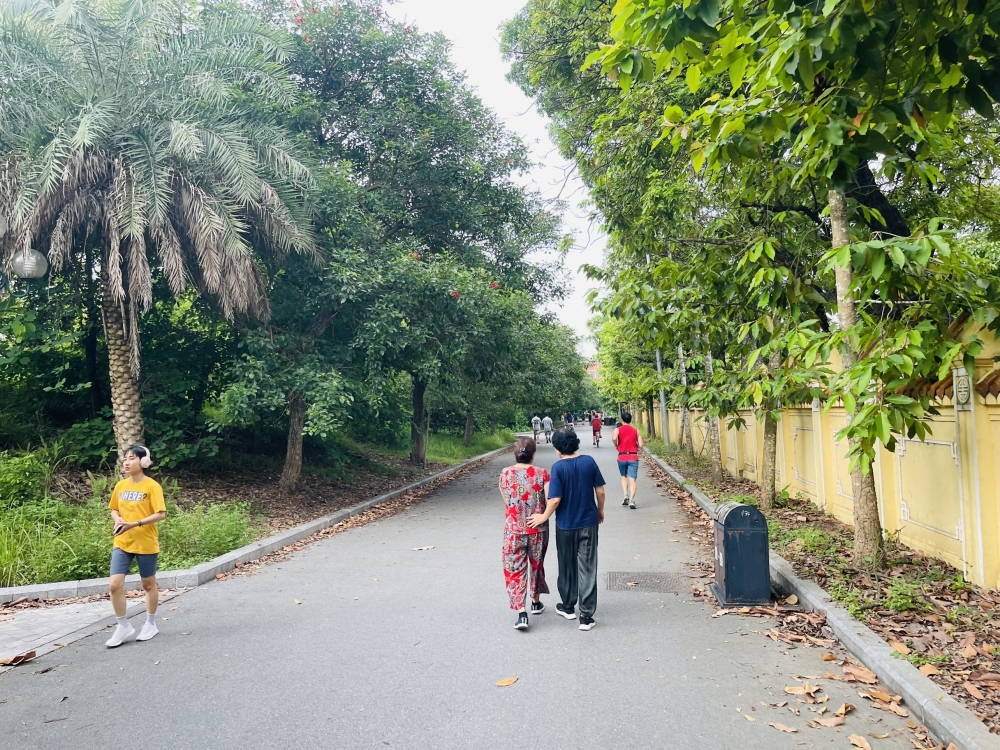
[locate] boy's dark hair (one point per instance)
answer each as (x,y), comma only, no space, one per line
(524,450)
(565,441)
(626,417)
(140,451)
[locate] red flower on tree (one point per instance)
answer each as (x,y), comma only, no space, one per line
(494,285)
(456,295)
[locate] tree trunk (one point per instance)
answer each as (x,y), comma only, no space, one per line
(685,414)
(869,550)
(470,426)
(293,454)
(649,415)
(126,404)
(418,454)
(713,423)
(769,462)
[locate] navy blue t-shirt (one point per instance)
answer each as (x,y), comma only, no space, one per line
(573,480)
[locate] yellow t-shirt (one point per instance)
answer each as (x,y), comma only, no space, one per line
(135,501)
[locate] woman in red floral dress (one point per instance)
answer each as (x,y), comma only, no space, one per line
(523,488)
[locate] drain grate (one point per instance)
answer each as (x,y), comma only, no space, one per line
(668,583)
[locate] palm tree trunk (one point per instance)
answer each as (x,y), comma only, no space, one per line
(470,426)
(685,414)
(869,549)
(713,423)
(418,454)
(293,454)
(126,404)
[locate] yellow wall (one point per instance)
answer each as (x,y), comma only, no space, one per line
(942,495)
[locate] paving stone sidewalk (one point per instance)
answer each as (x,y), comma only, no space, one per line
(42,629)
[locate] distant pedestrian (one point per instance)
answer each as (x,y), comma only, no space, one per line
(547,426)
(595,425)
(536,426)
(629,441)
(576,496)
(524,545)
(136,507)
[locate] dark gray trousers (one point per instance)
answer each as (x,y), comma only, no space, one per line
(577,552)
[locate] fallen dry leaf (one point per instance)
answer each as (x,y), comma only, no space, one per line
(506,682)
(296,601)
(879,736)
(858,741)
(64,698)
(5,618)
(973,691)
(833,721)
(783,728)
(828,657)
(880,695)
(632,583)
(221,576)
(900,647)
(11,661)
(845,708)
(795,690)
(969,652)
(421,549)
(748,717)
(929,669)
(792,599)
(861,674)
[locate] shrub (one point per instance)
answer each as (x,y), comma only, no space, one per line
(21,480)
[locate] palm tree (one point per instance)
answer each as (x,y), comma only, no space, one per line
(139,130)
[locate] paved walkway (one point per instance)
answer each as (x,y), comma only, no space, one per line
(392,647)
(45,629)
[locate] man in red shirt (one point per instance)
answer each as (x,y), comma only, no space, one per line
(628,441)
(596,425)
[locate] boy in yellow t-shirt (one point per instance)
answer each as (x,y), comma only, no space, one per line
(136,507)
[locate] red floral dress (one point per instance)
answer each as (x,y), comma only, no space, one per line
(523,489)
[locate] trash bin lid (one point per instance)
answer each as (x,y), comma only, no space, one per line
(736,515)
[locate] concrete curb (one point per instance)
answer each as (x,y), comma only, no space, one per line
(207,571)
(944,717)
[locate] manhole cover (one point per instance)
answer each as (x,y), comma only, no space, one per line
(669,583)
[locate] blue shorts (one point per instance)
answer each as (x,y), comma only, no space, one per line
(628,469)
(121,563)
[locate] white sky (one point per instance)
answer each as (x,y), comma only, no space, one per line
(473,29)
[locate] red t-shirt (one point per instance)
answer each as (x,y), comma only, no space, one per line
(596,424)
(628,443)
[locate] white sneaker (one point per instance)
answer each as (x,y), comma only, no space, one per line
(149,629)
(119,636)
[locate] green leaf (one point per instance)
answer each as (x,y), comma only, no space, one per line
(878,264)
(693,79)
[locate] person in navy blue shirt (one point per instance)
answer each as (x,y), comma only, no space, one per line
(576,496)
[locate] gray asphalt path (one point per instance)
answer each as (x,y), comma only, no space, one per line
(392,647)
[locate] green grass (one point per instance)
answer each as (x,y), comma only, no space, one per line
(447,448)
(47,540)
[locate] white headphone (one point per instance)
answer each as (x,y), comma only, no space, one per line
(147,460)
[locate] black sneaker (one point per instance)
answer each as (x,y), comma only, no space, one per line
(537,608)
(625,501)
(631,504)
(522,621)
(568,612)
(586,623)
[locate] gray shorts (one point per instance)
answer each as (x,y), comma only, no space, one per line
(121,563)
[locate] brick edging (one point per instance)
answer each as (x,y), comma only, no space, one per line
(207,571)
(945,717)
